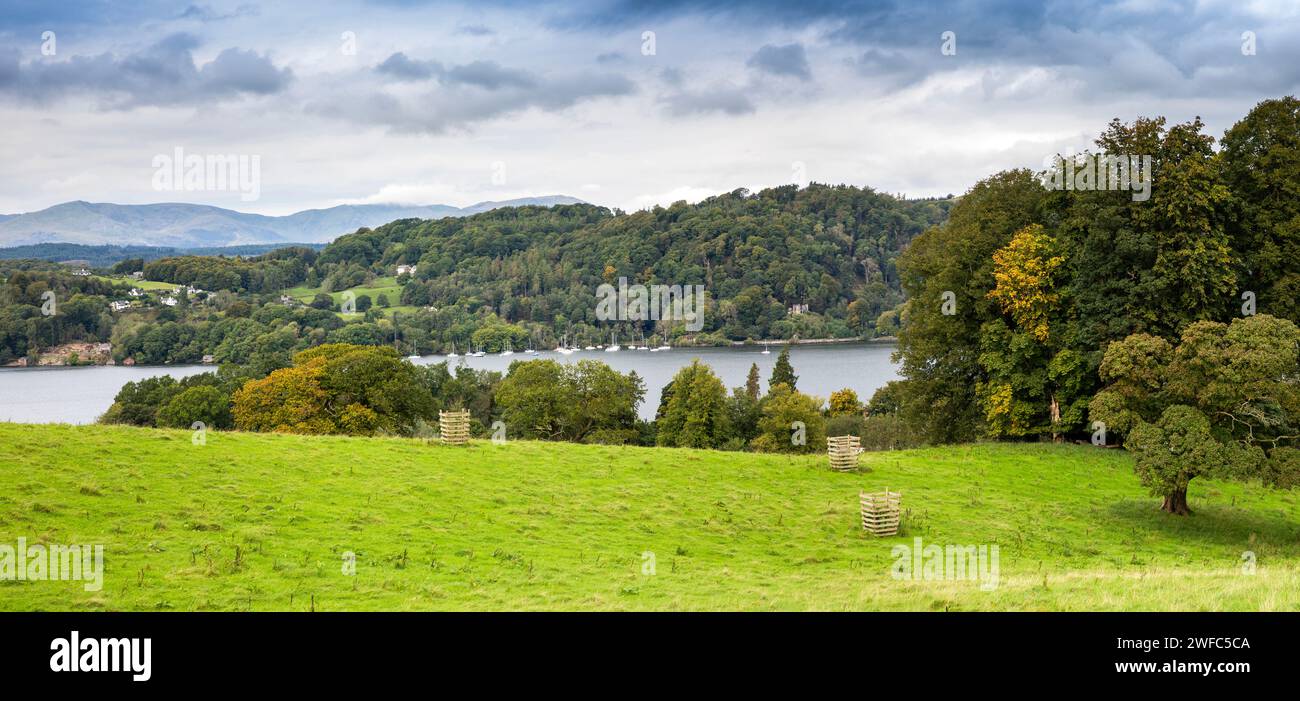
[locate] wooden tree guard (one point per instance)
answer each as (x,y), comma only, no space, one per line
(453,427)
(881,512)
(843,451)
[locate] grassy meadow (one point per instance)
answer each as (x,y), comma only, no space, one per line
(262,522)
(382,285)
(151,285)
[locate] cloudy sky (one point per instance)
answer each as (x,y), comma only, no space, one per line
(614,102)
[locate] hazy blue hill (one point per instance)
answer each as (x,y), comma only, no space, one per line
(181,225)
(106,256)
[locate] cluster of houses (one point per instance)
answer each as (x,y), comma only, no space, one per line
(168,299)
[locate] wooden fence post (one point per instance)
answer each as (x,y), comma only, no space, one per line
(881,512)
(453,427)
(843,451)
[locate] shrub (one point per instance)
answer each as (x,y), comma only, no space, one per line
(204,403)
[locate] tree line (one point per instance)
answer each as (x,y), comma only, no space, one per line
(1167,323)
(339,388)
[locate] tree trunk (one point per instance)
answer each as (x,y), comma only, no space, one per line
(1056,419)
(1176,503)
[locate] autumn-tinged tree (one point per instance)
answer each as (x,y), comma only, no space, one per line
(1025,275)
(844,402)
(336,388)
(290,400)
(939,345)
(1027,372)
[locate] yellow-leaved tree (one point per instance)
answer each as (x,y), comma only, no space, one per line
(1025,270)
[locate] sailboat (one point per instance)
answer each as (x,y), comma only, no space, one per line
(530,350)
(508,350)
(765,349)
(415,351)
(613,346)
(563,348)
(453,353)
(478,353)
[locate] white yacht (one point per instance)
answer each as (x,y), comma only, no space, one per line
(613,346)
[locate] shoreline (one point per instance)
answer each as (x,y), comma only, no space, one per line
(882,341)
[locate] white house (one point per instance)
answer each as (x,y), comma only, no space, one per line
(408,269)
(169,301)
(119,305)
(136,292)
(139,275)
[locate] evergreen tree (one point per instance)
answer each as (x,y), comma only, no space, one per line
(783,373)
(751,382)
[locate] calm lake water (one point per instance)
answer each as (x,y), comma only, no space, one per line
(79,395)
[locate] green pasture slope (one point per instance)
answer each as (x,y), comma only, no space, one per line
(382,285)
(262,522)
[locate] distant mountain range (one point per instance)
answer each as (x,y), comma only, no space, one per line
(194,225)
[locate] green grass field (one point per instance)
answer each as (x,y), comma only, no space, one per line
(382,285)
(142,284)
(261,522)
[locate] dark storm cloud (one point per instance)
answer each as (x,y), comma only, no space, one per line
(489,75)
(205,13)
(1169,48)
(163,74)
(787,60)
(460,96)
(720,100)
(401,67)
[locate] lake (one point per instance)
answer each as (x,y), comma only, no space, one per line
(79,395)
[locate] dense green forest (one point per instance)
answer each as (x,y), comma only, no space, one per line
(833,249)
(1168,323)
(818,262)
